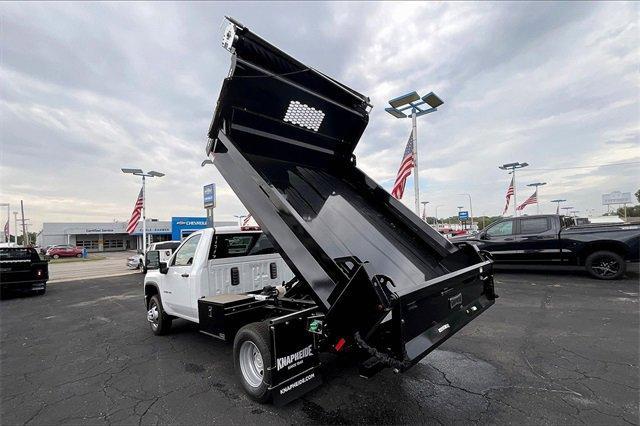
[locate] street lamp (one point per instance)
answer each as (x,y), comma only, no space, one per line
(537,185)
(513,167)
(414,104)
(424,210)
(139,172)
(558,201)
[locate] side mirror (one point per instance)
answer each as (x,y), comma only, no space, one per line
(484,236)
(163,268)
(152,260)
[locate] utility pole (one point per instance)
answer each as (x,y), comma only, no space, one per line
(513,167)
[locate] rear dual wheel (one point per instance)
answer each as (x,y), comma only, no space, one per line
(251,356)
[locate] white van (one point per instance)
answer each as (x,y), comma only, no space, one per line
(227,260)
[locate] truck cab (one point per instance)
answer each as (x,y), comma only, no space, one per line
(227,260)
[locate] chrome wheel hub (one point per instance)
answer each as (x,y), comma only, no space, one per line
(153,315)
(251,364)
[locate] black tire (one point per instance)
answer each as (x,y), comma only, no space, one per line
(140,265)
(42,291)
(162,324)
(258,334)
(605,265)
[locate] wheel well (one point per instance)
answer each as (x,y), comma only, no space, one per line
(149,290)
(613,246)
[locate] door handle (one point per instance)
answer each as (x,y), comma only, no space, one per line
(185,275)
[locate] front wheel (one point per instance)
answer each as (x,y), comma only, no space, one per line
(79,255)
(56,256)
(159,321)
(251,356)
(605,265)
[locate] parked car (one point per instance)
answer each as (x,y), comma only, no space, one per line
(603,249)
(21,269)
(165,249)
(56,252)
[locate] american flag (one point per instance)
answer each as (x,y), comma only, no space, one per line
(510,192)
(531,200)
(135,215)
(246,220)
(406,166)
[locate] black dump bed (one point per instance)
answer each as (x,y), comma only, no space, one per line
(283,136)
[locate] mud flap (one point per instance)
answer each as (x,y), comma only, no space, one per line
(295,362)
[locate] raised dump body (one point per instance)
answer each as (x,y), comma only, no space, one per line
(283,136)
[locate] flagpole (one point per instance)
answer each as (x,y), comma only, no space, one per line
(144,217)
(416,176)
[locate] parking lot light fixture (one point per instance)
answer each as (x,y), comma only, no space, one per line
(512,167)
(537,185)
(558,201)
(414,107)
(151,173)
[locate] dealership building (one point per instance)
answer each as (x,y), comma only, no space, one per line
(112,236)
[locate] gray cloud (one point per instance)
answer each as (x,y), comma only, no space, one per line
(89,88)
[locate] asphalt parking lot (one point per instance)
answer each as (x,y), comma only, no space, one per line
(556,348)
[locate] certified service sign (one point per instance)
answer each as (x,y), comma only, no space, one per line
(209,195)
(616,197)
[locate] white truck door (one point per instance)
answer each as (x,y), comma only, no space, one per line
(179,282)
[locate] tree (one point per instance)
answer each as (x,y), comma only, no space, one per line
(638,195)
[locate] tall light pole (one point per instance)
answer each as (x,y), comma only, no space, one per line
(414,104)
(439,205)
(537,185)
(567,209)
(513,167)
(470,207)
(558,201)
(139,172)
(424,210)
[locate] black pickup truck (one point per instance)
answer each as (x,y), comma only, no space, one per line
(603,250)
(21,269)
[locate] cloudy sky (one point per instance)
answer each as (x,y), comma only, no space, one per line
(86,89)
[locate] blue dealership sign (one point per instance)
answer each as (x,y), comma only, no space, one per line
(184,226)
(463,215)
(209,195)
